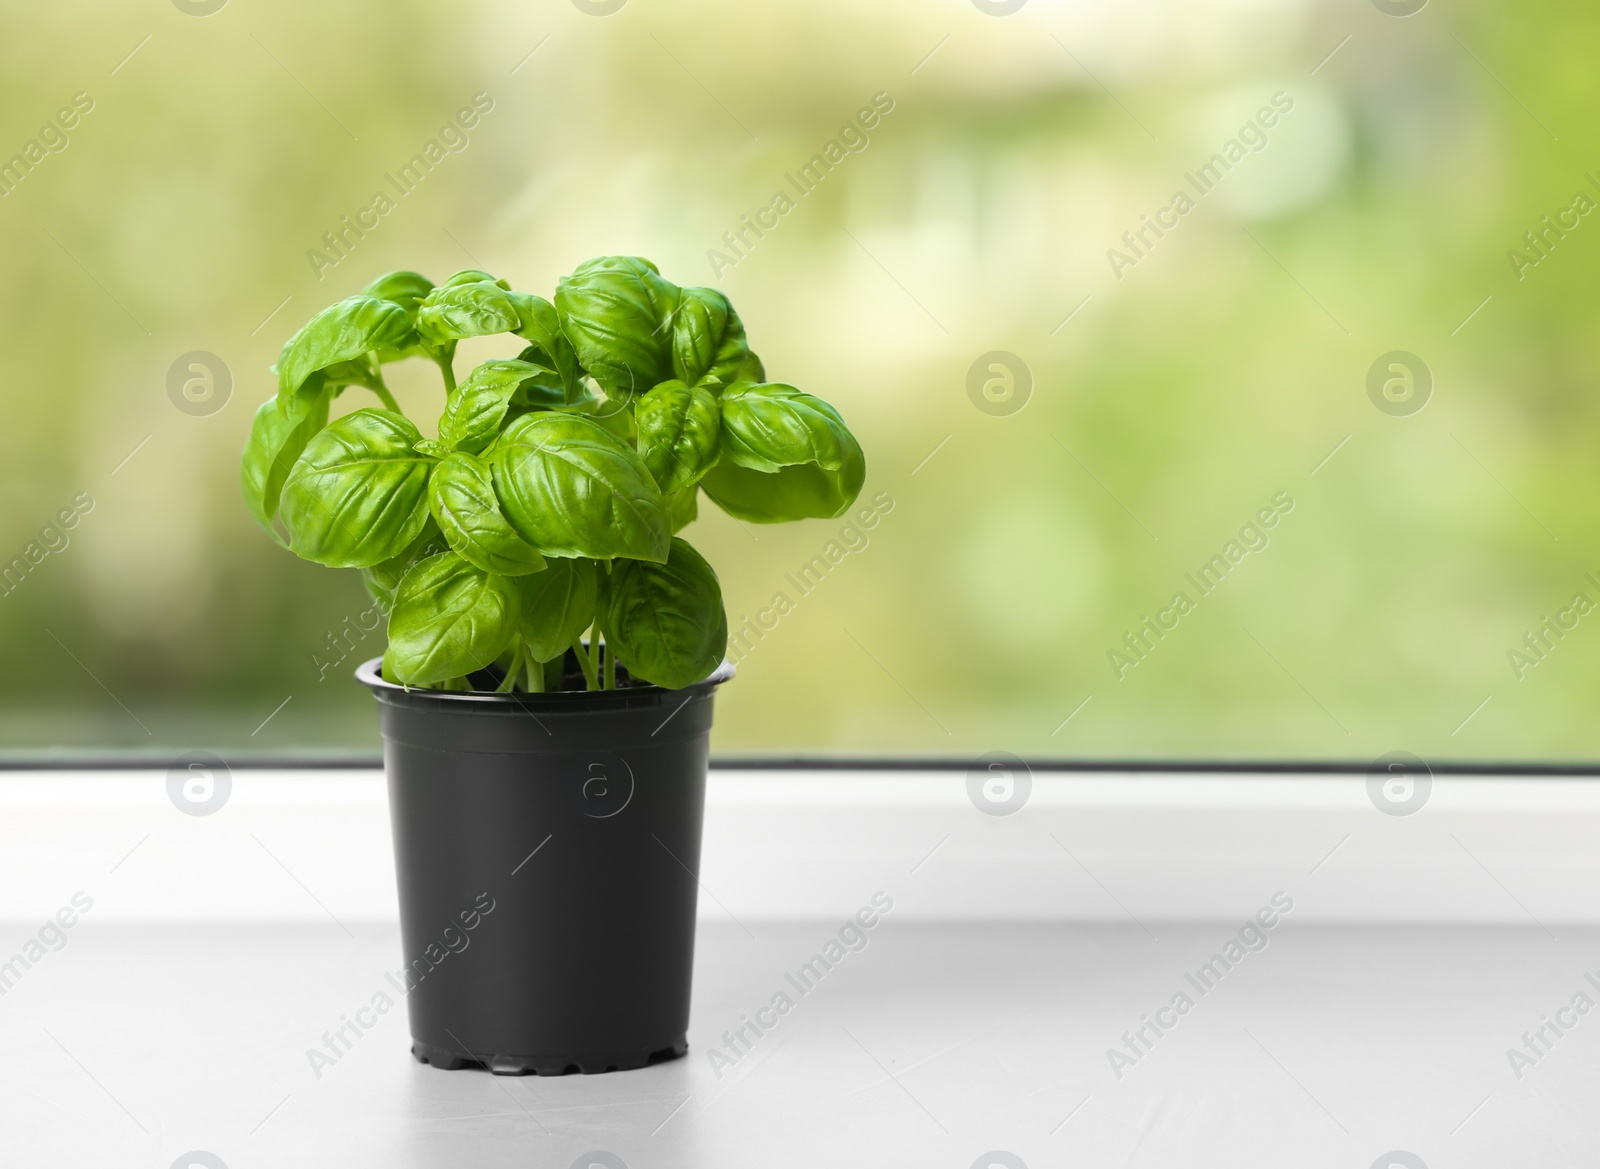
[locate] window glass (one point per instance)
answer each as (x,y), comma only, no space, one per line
(1225,370)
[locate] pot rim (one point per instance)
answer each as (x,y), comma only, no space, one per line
(370,675)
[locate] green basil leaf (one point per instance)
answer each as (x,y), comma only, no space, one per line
(359,492)
(786,456)
(571,488)
(558,604)
(617,312)
(449,619)
(477,406)
(759,497)
(462,500)
(541,324)
(474,309)
(344,332)
(358,371)
(277,436)
(405,289)
(666,621)
(769,426)
(751,371)
(473,276)
(383,578)
(684,507)
(708,339)
(679,433)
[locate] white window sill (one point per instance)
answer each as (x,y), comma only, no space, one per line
(789,846)
(1376,1016)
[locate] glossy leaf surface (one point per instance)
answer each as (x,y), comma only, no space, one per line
(462,501)
(617,311)
(359,492)
(571,488)
(666,621)
(679,433)
(557,605)
(450,618)
(348,331)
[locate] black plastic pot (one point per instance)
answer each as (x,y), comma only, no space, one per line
(548,852)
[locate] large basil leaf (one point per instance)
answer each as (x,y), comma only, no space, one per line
(557,606)
(679,433)
(468,309)
(277,436)
(665,621)
(541,324)
(476,407)
(383,578)
(359,492)
(708,339)
(571,488)
(462,500)
(344,332)
(786,456)
(771,426)
(449,619)
(617,311)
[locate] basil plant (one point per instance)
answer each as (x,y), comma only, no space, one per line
(546,502)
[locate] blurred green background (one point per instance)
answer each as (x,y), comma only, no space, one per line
(1170,399)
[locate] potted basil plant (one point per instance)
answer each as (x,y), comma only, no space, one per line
(545,697)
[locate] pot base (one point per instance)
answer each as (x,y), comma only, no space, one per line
(547,1065)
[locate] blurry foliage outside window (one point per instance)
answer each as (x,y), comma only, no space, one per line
(1225,368)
